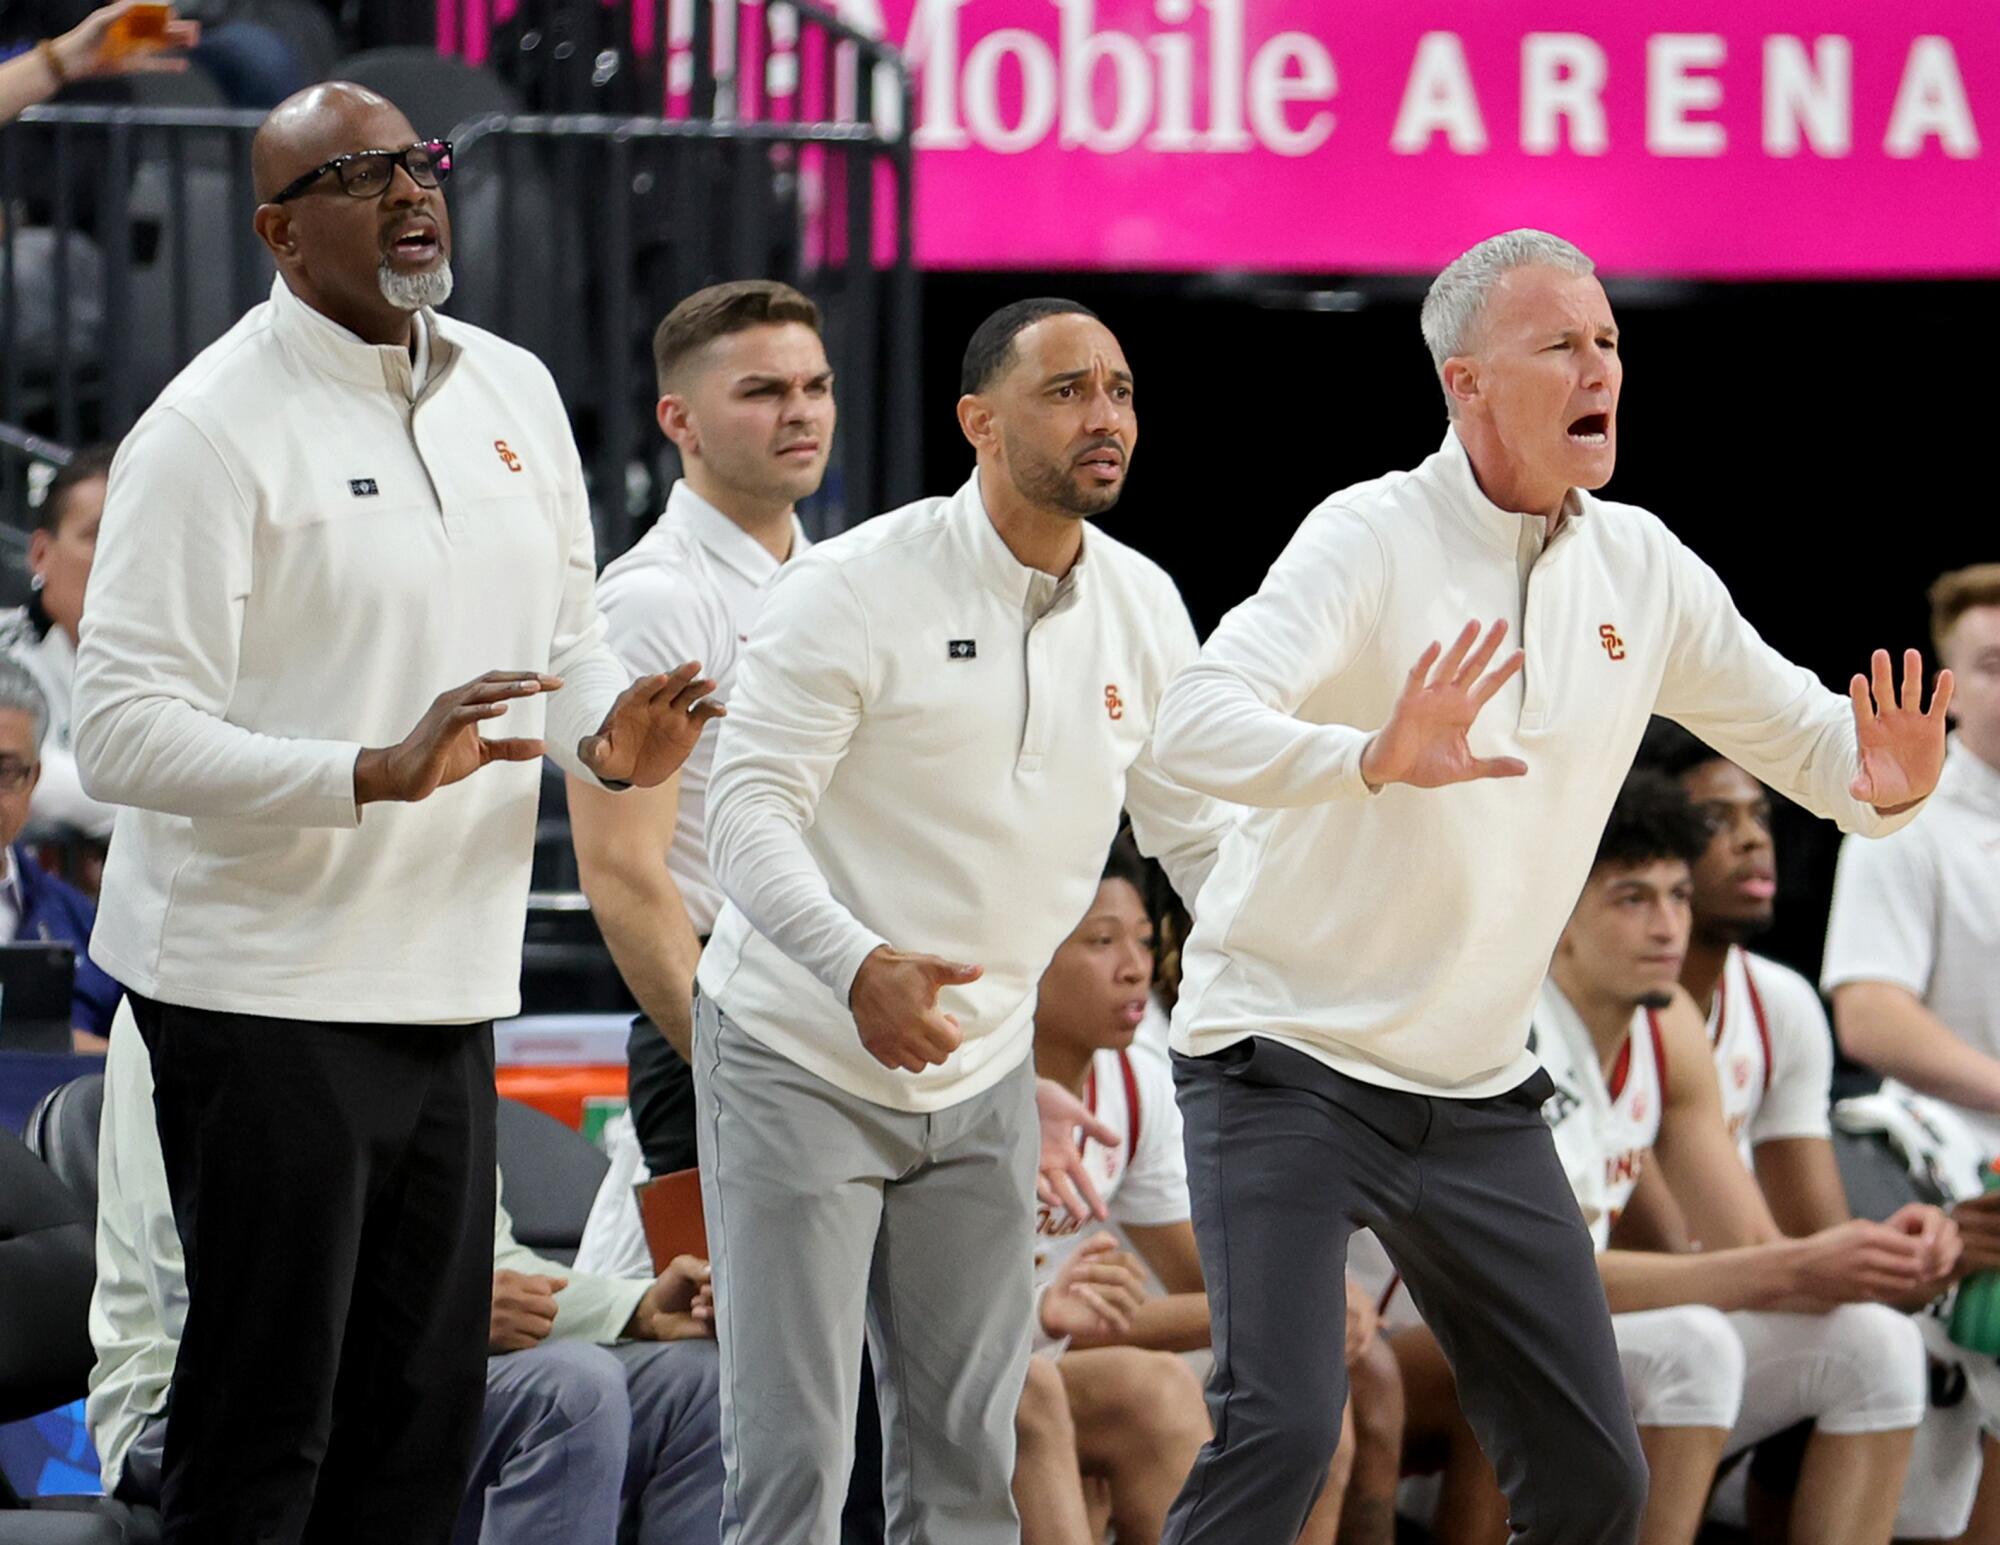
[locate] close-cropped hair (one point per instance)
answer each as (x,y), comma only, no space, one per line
(991,353)
(87,465)
(1953,595)
(1453,304)
(1651,819)
(22,693)
(723,309)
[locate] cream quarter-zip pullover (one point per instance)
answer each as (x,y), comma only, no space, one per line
(1402,938)
(302,547)
(918,754)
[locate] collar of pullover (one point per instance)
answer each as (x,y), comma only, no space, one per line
(328,346)
(991,558)
(1500,528)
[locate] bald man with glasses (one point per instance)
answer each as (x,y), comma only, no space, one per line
(346,518)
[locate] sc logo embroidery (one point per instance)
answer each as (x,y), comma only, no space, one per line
(1614,646)
(1114,705)
(507,455)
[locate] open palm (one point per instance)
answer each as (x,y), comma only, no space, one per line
(651,728)
(1902,747)
(1424,743)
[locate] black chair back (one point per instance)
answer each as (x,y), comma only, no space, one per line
(62,1133)
(48,1266)
(551,1175)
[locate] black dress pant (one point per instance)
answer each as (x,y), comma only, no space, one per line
(1285,1158)
(333,1187)
(660,1092)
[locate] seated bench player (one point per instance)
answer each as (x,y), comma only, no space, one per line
(1106,1347)
(601,1419)
(1773,1053)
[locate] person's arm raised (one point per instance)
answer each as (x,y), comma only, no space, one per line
(798,700)
(1425,742)
(1864,762)
(83,53)
(1228,725)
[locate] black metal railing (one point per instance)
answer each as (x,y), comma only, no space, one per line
(126,247)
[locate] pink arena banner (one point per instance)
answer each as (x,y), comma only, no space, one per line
(1721,138)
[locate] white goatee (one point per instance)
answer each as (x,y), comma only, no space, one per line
(413,292)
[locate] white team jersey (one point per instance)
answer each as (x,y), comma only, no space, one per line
(1143,1180)
(1604,1125)
(1773,1051)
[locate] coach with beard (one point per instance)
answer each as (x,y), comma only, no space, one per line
(317,893)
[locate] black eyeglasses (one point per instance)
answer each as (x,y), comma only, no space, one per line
(368,173)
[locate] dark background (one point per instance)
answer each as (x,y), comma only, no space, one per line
(1824,446)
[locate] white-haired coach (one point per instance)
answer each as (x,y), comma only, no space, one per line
(1351,1036)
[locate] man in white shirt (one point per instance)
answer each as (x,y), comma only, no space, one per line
(1913,940)
(341,507)
(600,1404)
(42,635)
(746,396)
(1357,988)
(937,721)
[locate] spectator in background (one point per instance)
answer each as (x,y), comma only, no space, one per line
(1135,1410)
(33,903)
(87,51)
(601,1409)
(41,636)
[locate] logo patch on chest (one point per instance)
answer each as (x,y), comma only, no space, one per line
(962,649)
(1614,646)
(1114,705)
(506,454)
(362,487)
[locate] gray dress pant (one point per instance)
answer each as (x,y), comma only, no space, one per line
(1285,1159)
(585,1443)
(829,1215)
(578,1443)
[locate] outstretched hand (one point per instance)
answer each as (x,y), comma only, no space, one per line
(651,728)
(1902,746)
(1424,743)
(446,744)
